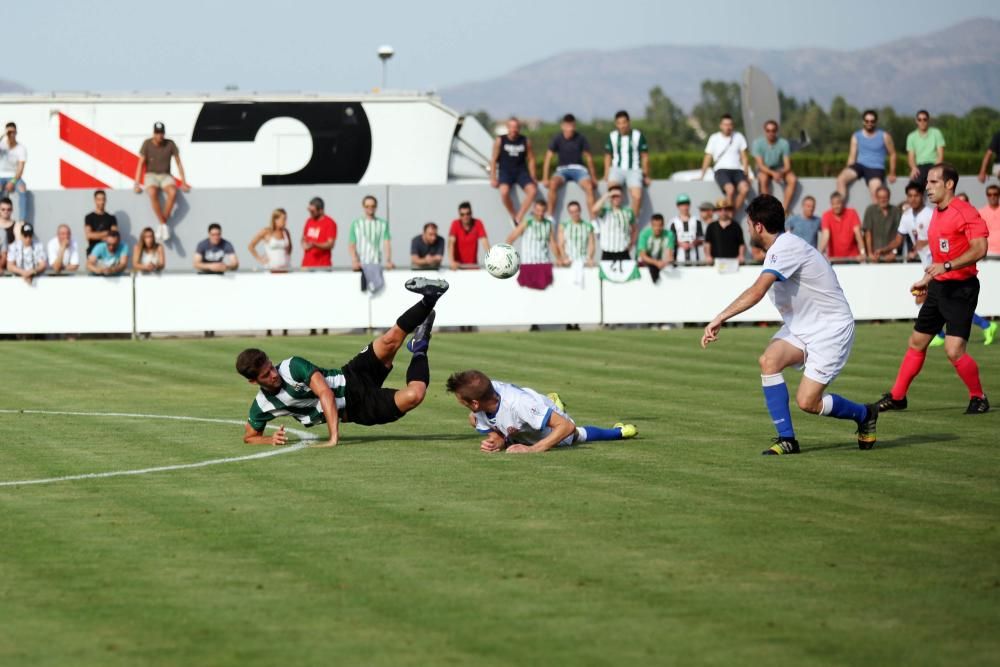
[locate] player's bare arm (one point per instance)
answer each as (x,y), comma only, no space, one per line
(750,298)
(252,436)
(317,383)
(562,428)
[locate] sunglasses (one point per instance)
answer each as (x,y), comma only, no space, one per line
(869,121)
(922,120)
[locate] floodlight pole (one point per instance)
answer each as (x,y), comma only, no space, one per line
(385,52)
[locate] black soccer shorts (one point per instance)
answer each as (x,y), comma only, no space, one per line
(951,303)
(366,401)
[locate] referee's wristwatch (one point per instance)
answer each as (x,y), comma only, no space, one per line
(947,266)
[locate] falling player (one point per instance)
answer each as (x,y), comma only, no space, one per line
(354,393)
(818,328)
(957,238)
(519,420)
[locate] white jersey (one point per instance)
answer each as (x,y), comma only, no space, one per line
(916,226)
(522,416)
(690,233)
(807,294)
(726,151)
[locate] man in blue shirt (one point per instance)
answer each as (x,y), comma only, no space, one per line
(805,226)
(774,163)
(109,257)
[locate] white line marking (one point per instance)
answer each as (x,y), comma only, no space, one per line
(145,471)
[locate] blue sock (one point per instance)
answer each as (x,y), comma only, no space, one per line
(596,433)
(940,334)
(839,407)
(776,398)
(980,322)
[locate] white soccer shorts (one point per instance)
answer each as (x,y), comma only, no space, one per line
(825,354)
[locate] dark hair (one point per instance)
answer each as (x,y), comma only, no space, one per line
(948,173)
(100,192)
(882,187)
(925,112)
(725,116)
(429,225)
(613,188)
(992,187)
(809,198)
(11,124)
(465,204)
(622,114)
(540,200)
(569,118)
(250,362)
(214,225)
(113,232)
(6,200)
(836,195)
(317,202)
(656,216)
(771,122)
(871,112)
(367,197)
(142,239)
(914,186)
(577,204)
(767,210)
(470,385)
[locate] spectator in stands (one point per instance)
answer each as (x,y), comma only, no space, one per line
(215,254)
(427,248)
(98,222)
(626,160)
(11,229)
(656,247)
(991,214)
(26,257)
(727,151)
(576,163)
(318,236)
(13,156)
(688,232)
(148,256)
(724,238)
(992,154)
(576,238)
(924,148)
(62,252)
(464,238)
(806,225)
(369,238)
(866,158)
(840,232)
(774,162)
(154,156)
(277,255)
(879,225)
(513,163)
(538,247)
(616,226)
(914,223)
(110,256)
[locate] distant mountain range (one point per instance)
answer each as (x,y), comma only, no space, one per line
(951,70)
(12,87)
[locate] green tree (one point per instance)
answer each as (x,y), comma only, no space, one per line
(665,117)
(717,98)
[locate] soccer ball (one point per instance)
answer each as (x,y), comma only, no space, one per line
(502,261)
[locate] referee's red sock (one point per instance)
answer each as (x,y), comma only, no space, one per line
(913,361)
(968,370)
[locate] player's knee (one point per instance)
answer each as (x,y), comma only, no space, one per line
(809,404)
(411,397)
(767,365)
(954,352)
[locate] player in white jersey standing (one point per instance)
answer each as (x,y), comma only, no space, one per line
(519,420)
(818,328)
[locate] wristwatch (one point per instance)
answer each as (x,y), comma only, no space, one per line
(947,266)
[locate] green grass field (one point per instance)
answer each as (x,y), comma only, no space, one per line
(407,546)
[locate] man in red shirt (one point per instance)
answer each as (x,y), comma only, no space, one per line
(958,239)
(840,232)
(465,235)
(318,236)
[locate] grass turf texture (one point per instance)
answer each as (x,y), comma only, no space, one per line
(407,546)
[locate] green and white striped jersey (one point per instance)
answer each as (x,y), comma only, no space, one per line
(575,237)
(614,228)
(535,247)
(295,398)
(369,235)
(625,149)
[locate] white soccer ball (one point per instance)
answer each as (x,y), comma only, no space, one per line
(502,261)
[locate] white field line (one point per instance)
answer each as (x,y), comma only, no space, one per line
(277,451)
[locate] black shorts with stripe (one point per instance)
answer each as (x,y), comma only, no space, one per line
(951,303)
(367,402)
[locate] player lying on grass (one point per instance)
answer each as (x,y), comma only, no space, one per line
(520,420)
(818,329)
(315,395)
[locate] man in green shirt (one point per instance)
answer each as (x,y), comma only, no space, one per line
(297,388)
(924,148)
(656,246)
(879,227)
(774,162)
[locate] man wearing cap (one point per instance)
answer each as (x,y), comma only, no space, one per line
(154,157)
(110,256)
(688,233)
(26,257)
(724,238)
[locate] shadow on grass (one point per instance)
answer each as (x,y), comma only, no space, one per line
(422,437)
(902,441)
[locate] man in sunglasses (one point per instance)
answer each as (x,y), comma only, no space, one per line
(924,148)
(870,146)
(774,162)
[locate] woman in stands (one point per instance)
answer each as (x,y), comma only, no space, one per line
(148,254)
(277,243)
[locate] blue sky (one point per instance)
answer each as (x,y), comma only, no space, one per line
(112,45)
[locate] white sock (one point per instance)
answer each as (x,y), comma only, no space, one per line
(581,434)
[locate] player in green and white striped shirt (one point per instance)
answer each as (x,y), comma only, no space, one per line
(576,238)
(369,235)
(626,159)
(538,244)
(616,226)
(313,395)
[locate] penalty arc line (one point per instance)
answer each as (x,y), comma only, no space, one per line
(145,471)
